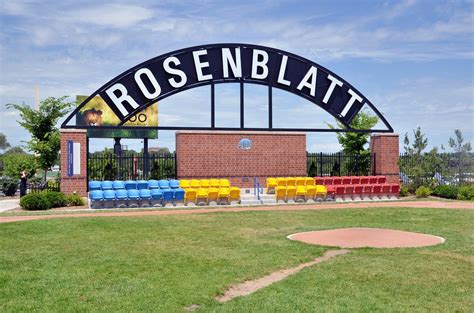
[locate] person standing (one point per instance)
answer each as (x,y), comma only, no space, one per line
(23,181)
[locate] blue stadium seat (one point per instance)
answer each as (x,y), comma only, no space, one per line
(179,196)
(164,184)
(130,184)
(109,199)
(121,197)
(96,197)
(94,185)
(106,185)
(142,184)
(156,197)
(133,198)
(174,183)
(153,184)
(145,197)
(168,196)
(118,184)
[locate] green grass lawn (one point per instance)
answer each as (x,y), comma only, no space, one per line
(165,263)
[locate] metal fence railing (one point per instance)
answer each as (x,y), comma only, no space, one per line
(44,186)
(131,166)
(445,168)
(340,164)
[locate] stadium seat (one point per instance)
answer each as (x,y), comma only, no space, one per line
(156,197)
(321,192)
(96,197)
(280,193)
(381,179)
(309,181)
(310,192)
(377,191)
(121,197)
(349,193)
(340,191)
(336,181)
(290,193)
(234,195)
(346,180)
(300,195)
(224,183)
(319,181)
(212,195)
(355,180)
(290,181)
(133,198)
(184,183)
(364,180)
(386,190)
(300,181)
(331,193)
(190,196)
(168,196)
(281,181)
(142,184)
(194,183)
(94,185)
(130,184)
(214,183)
(271,184)
(178,196)
(358,192)
(373,180)
(106,185)
(174,184)
(204,183)
(109,199)
(164,184)
(366,192)
(394,191)
(118,184)
(327,181)
(202,196)
(223,197)
(153,184)
(145,198)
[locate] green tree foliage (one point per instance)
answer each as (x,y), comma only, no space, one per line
(3,142)
(14,163)
(357,143)
(41,124)
(464,156)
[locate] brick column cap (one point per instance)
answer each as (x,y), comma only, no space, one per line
(385,135)
(73,130)
(237,132)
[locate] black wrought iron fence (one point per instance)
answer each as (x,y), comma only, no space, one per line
(340,164)
(44,186)
(131,166)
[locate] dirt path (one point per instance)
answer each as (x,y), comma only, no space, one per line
(306,207)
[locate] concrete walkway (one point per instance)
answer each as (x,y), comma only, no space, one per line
(9,204)
(296,207)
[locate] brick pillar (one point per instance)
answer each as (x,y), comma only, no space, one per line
(74,177)
(386,150)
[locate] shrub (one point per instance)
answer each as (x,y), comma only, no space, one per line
(35,201)
(74,200)
(422,192)
(404,191)
(56,199)
(9,186)
(14,163)
(446,191)
(466,192)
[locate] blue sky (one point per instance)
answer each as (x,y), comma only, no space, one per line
(412,59)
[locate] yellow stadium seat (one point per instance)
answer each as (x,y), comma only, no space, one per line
(224,183)
(190,196)
(223,197)
(300,181)
(234,196)
(212,195)
(271,184)
(194,183)
(309,181)
(280,193)
(290,193)
(281,181)
(290,181)
(202,196)
(321,192)
(300,195)
(204,183)
(184,183)
(310,192)
(214,183)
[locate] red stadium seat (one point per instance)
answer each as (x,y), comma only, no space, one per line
(358,192)
(340,191)
(331,193)
(346,180)
(377,190)
(319,181)
(364,180)
(337,181)
(328,181)
(355,180)
(394,191)
(372,180)
(366,192)
(349,192)
(381,179)
(386,190)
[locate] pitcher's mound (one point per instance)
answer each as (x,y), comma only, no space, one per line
(367,237)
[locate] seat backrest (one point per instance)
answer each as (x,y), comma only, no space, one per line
(168,194)
(300,181)
(204,183)
(164,184)
(94,185)
(291,190)
(364,180)
(381,179)
(145,193)
(349,189)
(271,182)
(355,180)
(190,194)
(310,189)
(118,184)
(373,180)
(386,188)
(394,188)
(156,193)
(346,180)
(224,183)
(142,184)
(184,183)
(130,184)
(174,183)
(235,192)
(327,181)
(280,191)
(213,192)
(340,189)
(281,181)
(214,183)
(367,189)
(309,181)
(179,194)
(319,180)
(121,194)
(321,189)
(194,183)
(358,189)
(202,192)
(301,190)
(96,195)
(224,192)
(377,188)
(133,194)
(153,184)
(109,195)
(106,185)
(337,181)
(291,181)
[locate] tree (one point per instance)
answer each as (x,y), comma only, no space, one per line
(14,163)
(356,143)
(463,154)
(3,142)
(41,124)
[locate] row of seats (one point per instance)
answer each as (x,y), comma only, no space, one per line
(122,198)
(273,182)
(364,192)
(350,180)
(204,183)
(133,184)
(212,196)
(300,193)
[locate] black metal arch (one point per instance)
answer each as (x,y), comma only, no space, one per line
(296,70)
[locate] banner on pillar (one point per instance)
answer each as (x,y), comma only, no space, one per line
(73,158)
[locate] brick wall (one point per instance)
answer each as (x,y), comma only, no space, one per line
(76,183)
(386,149)
(216,154)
